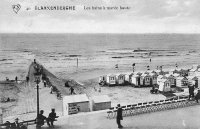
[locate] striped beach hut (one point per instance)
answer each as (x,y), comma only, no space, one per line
(145,80)
(153,78)
(172,79)
(181,82)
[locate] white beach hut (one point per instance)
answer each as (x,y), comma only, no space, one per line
(160,78)
(120,78)
(135,80)
(111,79)
(164,85)
(101,102)
(75,103)
(181,82)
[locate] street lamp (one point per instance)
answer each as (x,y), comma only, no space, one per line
(37,80)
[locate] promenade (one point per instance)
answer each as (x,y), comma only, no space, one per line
(182,118)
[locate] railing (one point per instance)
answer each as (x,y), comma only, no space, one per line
(153,106)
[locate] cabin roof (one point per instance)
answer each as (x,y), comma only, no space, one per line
(111,75)
(176,74)
(164,80)
(181,78)
(169,75)
(192,77)
(120,74)
(144,75)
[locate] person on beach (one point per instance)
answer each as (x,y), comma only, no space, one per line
(27,78)
(7,124)
(197,97)
(51,89)
(51,118)
(71,90)
(16,79)
(41,118)
(34,61)
(45,84)
(7,79)
(191,91)
(119,116)
(16,124)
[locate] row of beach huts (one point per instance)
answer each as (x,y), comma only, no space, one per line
(162,79)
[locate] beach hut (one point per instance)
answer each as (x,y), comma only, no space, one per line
(111,79)
(160,78)
(120,79)
(181,82)
(153,78)
(172,79)
(101,102)
(145,80)
(102,79)
(75,103)
(135,80)
(164,85)
(128,77)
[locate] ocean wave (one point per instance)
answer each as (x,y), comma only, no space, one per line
(5,59)
(73,55)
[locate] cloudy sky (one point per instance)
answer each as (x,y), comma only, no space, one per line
(144,16)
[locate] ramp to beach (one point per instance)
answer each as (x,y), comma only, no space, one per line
(55,81)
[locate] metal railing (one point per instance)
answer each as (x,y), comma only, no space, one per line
(153,106)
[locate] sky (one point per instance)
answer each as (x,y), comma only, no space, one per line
(143,16)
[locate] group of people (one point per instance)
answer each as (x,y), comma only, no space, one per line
(191,94)
(15,125)
(50,119)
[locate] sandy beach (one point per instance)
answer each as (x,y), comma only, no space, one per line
(93,61)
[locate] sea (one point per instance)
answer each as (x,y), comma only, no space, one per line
(69,54)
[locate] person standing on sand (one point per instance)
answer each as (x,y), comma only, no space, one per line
(191,91)
(16,124)
(51,118)
(119,116)
(40,119)
(197,97)
(16,79)
(71,90)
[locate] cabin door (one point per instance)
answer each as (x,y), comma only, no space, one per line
(196,83)
(138,80)
(151,82)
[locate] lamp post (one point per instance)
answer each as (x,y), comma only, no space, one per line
(37,80)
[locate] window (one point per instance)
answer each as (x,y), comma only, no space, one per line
(112,78)
(121,77)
